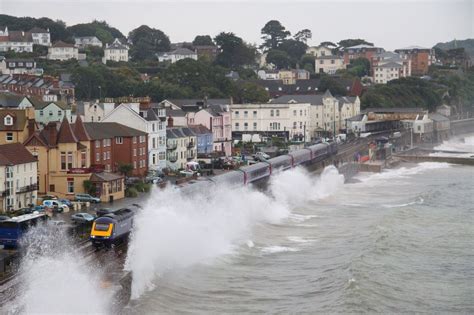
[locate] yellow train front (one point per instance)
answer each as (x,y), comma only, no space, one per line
(112,228)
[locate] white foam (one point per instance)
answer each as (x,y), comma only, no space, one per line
(298,239)
(250,244)
(176,231)
(403,172)
(278,249)
(462,144)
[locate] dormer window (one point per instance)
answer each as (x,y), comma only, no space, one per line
(8,120)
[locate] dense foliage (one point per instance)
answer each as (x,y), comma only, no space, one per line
(99,29)
(147,42)
(57,28)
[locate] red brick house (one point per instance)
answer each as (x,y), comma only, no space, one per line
(113,144)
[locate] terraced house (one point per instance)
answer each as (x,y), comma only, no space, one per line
(181,147)
(18,177)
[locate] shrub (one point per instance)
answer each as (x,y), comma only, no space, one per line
(131,192)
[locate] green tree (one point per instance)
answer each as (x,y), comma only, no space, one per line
(307,63)
(273,34)
(203,40)
(249,92)
(359,67)
(147,42)
(331,84)
(234,52)
(87,81)
(303,35)
(279,58)
(353,42)
(125,169)
(295,50)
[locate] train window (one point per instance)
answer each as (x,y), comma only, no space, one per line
(101,226)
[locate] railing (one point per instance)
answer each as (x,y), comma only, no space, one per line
(28,188)
(191,144)
(191,155)
(172,146)
(173,158)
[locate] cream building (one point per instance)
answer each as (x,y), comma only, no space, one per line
(116,52)
(18,177)
(252,122)
(181,147)
(319,51)
(63,51)
(329,64)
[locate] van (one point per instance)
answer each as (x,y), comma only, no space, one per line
(56,205)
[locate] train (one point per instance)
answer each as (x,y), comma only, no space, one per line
(252,173)
(12,230)
(113,227)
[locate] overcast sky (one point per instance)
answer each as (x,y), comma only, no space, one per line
(387,23)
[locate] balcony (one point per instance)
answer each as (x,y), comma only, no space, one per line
(171,146)
(191,145)
(28,188)
(173,158)
(190,155)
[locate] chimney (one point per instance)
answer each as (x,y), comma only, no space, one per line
(52,133)
(31,127)
(170,122)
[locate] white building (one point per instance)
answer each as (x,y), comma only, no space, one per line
(253,122)
(41,36)
(18,177)
(328,64)
(268,74)
(94,112)
(84,41)
(18,41)
(178,54)
(116,52)
(387,66)
(328,114)
(19,66)
(319,51)
(151,121)
(63,51)
(46,112)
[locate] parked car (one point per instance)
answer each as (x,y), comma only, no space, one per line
(4,217)
(153,179)
(38,208)
(82,217)
(86,198)
(66,202)
(261,156)
(55,205)
(49,197)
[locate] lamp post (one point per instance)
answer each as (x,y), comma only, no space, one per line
(100,92)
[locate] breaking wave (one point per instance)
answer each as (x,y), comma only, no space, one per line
(176,231)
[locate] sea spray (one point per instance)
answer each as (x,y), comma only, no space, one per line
(176,231)
(54,279)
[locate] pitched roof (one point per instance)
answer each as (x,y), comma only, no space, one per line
(179,132)
(329,57)
(437,117)
(390,65)
(314,99)
(65,133)
(19,119)
(200,129)
(105,177)
(414,47)
(38,30)
(10,100)
(199,101)
(62,44)
(15,153)
(393,110)
(117,44)
(19,36)
(80,130)
(108,130)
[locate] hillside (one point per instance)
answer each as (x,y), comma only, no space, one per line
(467,44)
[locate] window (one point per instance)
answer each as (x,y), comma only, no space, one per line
(153,158)
(70,187)
(294,125)
(246,126)
(108,155)
(142,139)
(9,136)
(162,156)
(237,114)
(272,113)
(294,113)
(153,143)
(160,125)
(153,127)
(301,112)
(83,158)
(105,155)
(60,113)
(246,114)
(134,139)
(8,121)
(278,113)
(134,152)
(97,143)
(119,140)
(254,114)
(63,161)
(236,126)
(333,61)
(97,157)
(41,113)
(134,164)
(50,113)
(321,62)
(69,160)
(254,126)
